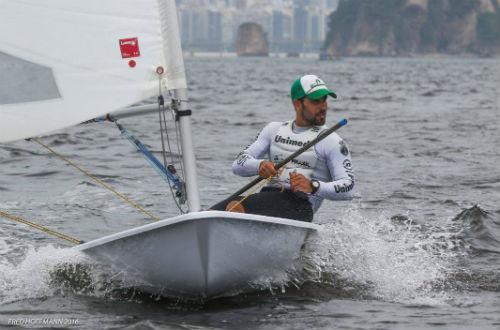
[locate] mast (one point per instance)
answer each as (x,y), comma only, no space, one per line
(188,159)
(176,80)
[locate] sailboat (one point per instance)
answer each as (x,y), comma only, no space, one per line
(96,58)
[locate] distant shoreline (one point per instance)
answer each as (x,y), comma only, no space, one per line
(233,54)
(189,54)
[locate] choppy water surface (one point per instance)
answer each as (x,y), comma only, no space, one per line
(419,247)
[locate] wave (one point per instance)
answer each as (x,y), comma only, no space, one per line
(356,256)
(54,271)
(481,230)
(13,153)
(41,174)
(31,278)
(391,258)
(394,258)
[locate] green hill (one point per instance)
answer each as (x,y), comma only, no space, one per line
(406,27)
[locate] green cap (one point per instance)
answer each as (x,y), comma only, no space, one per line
(310,86)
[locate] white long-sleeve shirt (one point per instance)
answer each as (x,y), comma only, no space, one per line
(332,150)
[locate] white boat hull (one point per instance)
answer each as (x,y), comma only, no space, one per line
(203,254)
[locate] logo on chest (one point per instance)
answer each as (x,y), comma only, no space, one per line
(280,139)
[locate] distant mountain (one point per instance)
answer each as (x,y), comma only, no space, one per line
(406,27)
(251,40)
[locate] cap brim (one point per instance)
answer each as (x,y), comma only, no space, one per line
(316,95)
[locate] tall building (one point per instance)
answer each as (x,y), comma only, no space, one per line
(185,26)
(315,28)
(278,34)
(240,4)
(215,27)
(332,4)
(300,24)
(201,28)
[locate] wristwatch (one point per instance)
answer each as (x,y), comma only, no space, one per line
(314,185)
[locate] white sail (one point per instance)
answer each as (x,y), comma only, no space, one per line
(98,56)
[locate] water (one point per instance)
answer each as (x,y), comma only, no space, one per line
(418,247)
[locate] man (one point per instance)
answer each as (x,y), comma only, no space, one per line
(323,171)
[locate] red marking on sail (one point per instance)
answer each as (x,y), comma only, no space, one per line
(131,63)
(129,47)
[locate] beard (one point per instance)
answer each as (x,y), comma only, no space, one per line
(317,119)
(320,119)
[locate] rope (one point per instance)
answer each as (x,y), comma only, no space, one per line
(161,110)
(179,146)
(163,126)
(42,228)
(163,119)
(99,181)
(173,111)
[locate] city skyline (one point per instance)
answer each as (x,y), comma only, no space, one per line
(290,25)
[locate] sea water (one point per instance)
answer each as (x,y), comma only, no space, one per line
(418,247)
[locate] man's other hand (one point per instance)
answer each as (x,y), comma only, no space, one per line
(266,169)
(298,182)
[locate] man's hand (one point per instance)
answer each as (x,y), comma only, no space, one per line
(266,169)
(298,182)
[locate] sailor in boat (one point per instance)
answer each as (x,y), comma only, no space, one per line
(298,189)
